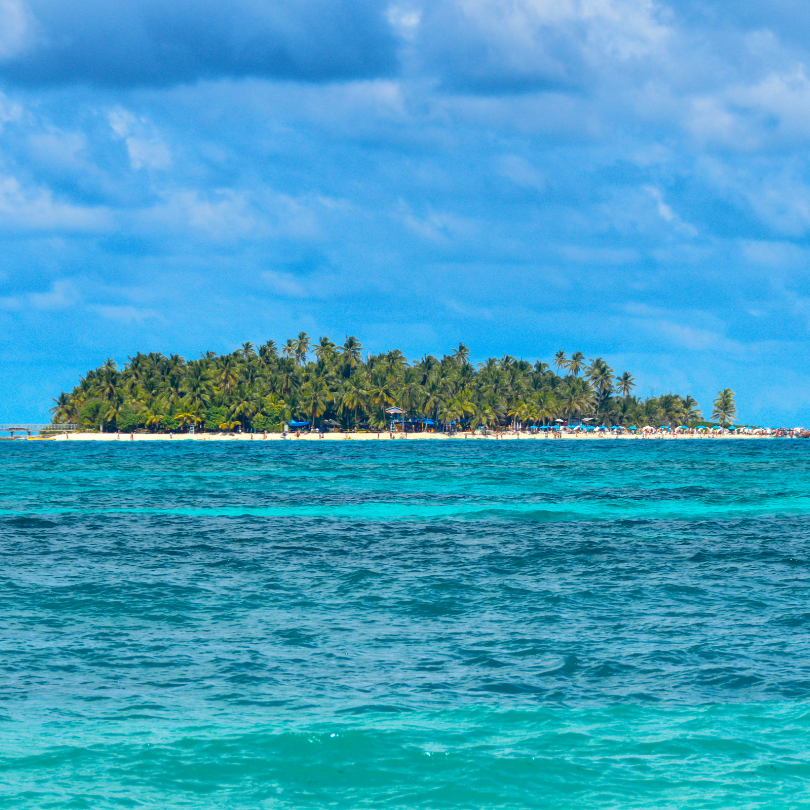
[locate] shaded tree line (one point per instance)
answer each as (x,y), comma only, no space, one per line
(328,384)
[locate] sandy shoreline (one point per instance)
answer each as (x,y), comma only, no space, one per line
(385,436)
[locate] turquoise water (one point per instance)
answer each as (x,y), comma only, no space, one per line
(431,625)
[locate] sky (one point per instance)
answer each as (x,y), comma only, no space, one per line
(626,178)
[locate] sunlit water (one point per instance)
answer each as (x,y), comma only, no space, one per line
(553,625)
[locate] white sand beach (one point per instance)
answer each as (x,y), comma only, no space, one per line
(410,437)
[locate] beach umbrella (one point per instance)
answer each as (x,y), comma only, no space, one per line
(632,427)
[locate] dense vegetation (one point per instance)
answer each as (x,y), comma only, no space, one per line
(328,384)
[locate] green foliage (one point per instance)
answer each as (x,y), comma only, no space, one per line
(127,420)
(270,424)
(91,414)
(214,417)
(271,420)
(170,423)
(325,383)
(724,407)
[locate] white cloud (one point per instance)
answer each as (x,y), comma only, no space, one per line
(517,169)
(319,285)
(63,294)
(145,146)
(775,192)
(404,19)
(16,28)
(286,284)
(35,209)
(126,314)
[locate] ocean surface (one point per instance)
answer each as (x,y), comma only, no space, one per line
(407,625)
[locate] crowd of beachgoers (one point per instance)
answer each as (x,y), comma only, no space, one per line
(579,433)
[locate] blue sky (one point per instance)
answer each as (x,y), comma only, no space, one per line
(621,177)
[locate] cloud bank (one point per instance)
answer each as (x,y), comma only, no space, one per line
(625,177)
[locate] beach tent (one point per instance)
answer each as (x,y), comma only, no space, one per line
(298,424)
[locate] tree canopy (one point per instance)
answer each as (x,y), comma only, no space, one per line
(323,383)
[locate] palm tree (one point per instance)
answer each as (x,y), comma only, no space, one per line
(671,406)
(288,350)
(197,386)
(268,352)
(315,397)
(691,410)
(576,363)
(520,411)
(545,406)
(354,396)
(600,375)
(351,351)
(227,375)
(561,360)
(188,419)
(301,347)
(61,409)
(578,398)
(244,405)
(325,349)
(151,414)
(247,351)
(381,394)
(106,385)
(461,354)
(625,384)
(724,407)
